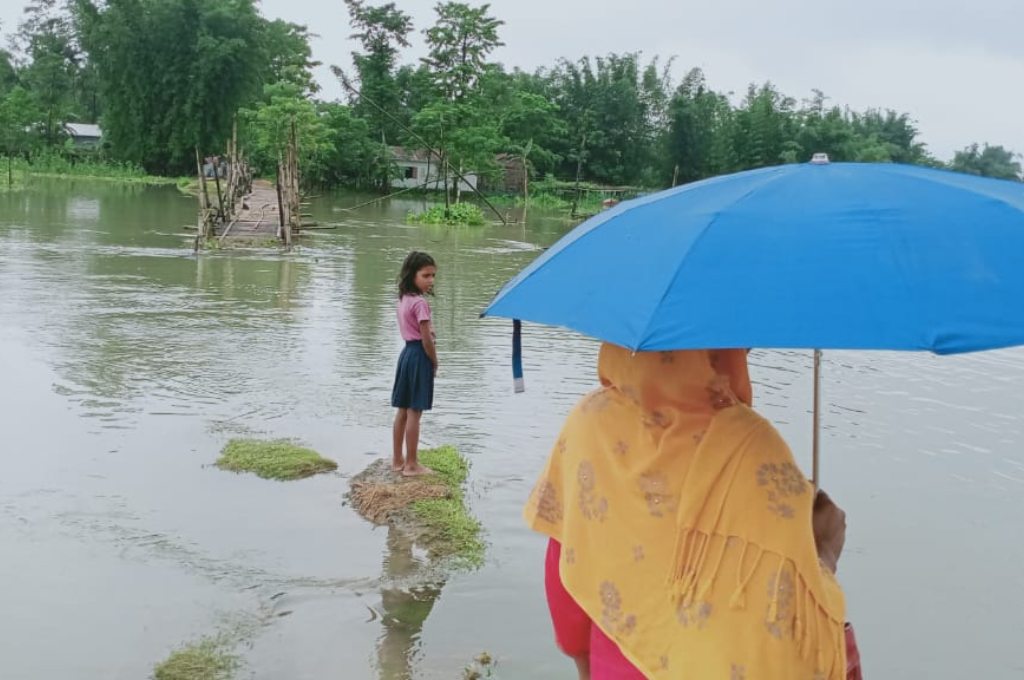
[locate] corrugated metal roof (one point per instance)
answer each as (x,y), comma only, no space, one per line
(83,130)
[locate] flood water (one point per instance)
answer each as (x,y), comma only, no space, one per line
(126,363)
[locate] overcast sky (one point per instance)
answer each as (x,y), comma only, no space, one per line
(956,66)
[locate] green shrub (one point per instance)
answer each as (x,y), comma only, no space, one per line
(459,214)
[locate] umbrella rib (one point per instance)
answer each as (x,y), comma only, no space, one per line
(771,179)
(771,173)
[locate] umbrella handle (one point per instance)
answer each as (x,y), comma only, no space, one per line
(816,444)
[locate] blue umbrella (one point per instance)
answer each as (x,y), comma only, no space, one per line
(815,256)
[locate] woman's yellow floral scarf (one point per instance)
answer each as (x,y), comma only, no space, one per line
(685,525)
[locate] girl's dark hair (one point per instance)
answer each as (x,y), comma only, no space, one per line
(414,262)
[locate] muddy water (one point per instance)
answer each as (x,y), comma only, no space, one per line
(126,363)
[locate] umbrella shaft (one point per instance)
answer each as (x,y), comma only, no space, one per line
(816,444)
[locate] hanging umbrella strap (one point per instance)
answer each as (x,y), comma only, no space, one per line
(517,356)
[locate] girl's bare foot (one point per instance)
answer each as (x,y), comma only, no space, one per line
(397,465)
(416,470)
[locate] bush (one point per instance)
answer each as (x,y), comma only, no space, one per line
(459,214)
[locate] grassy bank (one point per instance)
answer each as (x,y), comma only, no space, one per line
(456,532)
(53,166)
(430,509)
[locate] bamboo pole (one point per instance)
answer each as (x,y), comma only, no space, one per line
(280,198)
(204,200)
(220,196)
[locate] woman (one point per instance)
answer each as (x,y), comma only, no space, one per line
(682,541)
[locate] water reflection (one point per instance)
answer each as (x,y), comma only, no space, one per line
(408,593)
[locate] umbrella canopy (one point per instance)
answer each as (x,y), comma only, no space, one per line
(816,256)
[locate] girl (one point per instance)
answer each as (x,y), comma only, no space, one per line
(413,392)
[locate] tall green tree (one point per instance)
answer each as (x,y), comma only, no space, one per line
(268,127)
(614,109)
(988,161)
(165,97)
(460,43)
(766,128)
(695,121)
(8,74)
(529,123)
(897,132)
(289,57)
(47,42)
(382,31)
(463,122)
(18,118)
(352,156)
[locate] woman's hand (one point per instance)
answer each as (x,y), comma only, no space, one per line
(829,523)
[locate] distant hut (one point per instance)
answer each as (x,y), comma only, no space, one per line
(84,136)
(511,175)
(418,168)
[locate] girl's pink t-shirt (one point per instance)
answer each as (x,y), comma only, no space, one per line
(412,310)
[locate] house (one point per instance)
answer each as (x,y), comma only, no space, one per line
(85,136)
(419,169)
(511,177)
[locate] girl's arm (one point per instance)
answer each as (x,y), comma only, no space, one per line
(428,342)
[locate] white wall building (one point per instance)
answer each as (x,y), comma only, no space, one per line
(84,135)
(418,168)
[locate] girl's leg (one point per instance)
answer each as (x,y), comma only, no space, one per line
(398,432)
(412,445)
(572,625)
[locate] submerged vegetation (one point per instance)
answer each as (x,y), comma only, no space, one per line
(276,459)
(207,659)
(464,214)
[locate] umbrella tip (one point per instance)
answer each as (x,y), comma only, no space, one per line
(820,159)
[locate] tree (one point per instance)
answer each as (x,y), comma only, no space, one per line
(381,32)
(46,39)
(528,121)
(288,55)
(695,114)
(462,123)
(767,128)
(988,161)
(18,115)
(896,131)
(352,156)
(614,110)
(267,128)
(460,42)
(165,97)
(8,74)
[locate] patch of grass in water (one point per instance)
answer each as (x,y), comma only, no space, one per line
(276,459)
(457,532)
(204,660)
(457,214)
